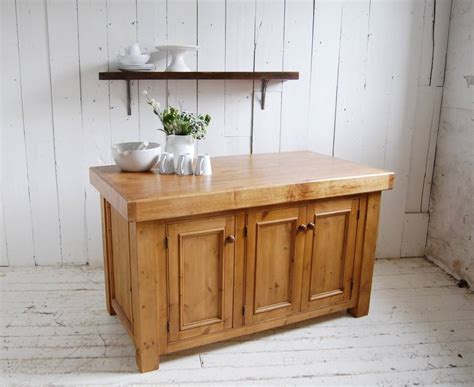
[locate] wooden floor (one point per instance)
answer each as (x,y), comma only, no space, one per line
(420,330)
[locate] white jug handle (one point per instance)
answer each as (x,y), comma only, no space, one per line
(162,163)
(201,161)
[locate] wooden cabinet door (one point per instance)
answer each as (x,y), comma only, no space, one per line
(200,276)
(329,252)
(275,249)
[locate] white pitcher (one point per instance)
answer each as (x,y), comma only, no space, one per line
(178,145)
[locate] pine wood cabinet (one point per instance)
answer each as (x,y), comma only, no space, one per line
(266,241)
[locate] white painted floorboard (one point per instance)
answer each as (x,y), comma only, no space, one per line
(420,330)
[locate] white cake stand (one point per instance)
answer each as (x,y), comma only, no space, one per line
(177,53)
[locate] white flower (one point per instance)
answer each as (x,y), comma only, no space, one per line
(145,92)
(155,105)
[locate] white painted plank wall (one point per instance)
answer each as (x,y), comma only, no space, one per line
(349,123)
(435,40)
(182,27)
(269,35)
(211,56)
(3,240)
(16,199)
(400,120)
(35,72)
(327,29)
(297,43)
(436,20)
(67,122)
(121,31)
(363,77)
(93,52)
(239,56)
(152,30)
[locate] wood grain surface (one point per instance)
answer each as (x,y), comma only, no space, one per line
(238,182)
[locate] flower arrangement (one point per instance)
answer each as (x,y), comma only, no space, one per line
(180,123)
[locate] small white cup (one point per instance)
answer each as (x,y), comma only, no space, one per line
(134,49)
(166,163)
(185,164)
(203,165)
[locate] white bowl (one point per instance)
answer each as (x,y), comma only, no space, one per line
(129,159)
(134,59)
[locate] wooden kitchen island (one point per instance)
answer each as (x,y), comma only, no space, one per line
(267,240)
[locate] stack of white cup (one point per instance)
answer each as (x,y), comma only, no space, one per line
(185,164)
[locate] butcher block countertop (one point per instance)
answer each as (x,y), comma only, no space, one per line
(237,182)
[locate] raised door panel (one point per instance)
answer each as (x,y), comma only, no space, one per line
(200,262)
(329,252)
(274,262)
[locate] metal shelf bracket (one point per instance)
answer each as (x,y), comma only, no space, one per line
(264,92)
(129,99)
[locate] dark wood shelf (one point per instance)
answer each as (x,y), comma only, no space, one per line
(217,75)
(263,76)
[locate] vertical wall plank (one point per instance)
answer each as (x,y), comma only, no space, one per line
(415,230)
(152,32)
(3,240)
(92,30)
(370,129)
(237,145)
(68,139)
(211,57)
(269,34)
(427,52)
(266,136)
(428,104)
(324,75)
(182,29)
(401,119)
(435,40)
(16,201)
(375,111)
(240,39)
(436,19)
(39,130)
(296,57)
(122,31)
(430,156)
(239,56)
(441,33)
(350,117)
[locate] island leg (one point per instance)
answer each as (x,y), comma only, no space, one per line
(143,270)
(107,251)
(368,256)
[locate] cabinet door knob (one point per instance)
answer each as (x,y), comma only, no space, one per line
(230,239)
(302,227)
(311,226)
